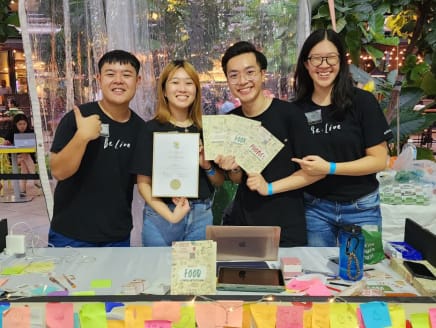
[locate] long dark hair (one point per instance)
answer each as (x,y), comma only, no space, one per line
(20,117)
(342,92)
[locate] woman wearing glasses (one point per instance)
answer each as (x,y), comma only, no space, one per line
(350,134)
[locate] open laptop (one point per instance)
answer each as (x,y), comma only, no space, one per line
(25,140)
(245,243)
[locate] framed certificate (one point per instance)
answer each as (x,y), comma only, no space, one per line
(175,164)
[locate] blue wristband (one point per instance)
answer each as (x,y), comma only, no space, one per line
(210,172)
(270,189)
(332,168)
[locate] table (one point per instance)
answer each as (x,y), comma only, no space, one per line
(152,265)
(14,151)
(394,217)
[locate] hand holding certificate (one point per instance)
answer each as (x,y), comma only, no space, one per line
(252,145)
(175,164)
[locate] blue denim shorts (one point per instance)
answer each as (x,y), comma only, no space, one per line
(156,231)
(59,240)
(324,218)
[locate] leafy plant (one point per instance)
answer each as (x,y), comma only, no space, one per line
(361,23)
(8,20)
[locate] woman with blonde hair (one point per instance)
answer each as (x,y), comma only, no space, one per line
(178,109)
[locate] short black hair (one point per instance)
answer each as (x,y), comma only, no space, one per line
(243,47)
(119,56)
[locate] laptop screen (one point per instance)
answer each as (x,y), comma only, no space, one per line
(27,139)
(245,243)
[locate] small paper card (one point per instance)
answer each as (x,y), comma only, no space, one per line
(175,164)
(193,268)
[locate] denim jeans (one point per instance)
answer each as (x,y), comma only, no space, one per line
(325,218)
(157,231)
(58,240)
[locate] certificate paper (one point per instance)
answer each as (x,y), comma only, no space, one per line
(175,164)
(193,268)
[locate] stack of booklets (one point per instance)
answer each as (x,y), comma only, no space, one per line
(247,140)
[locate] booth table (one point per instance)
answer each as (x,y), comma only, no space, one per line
(148,265)
(14,151)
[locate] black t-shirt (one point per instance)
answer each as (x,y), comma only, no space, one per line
(289,125)
(143,160)
(364,126)
(94,204)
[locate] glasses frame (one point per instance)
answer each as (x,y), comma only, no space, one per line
(324,58)
(244,74)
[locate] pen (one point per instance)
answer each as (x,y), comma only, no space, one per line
(339,284)
(334,289)
(72,284)
(57,282)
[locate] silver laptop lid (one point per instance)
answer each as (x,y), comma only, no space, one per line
(27,139)
(246,243)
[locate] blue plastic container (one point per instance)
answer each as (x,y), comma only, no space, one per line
(351,247)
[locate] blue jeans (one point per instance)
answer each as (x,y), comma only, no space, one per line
(157,231)
(325,218)
(58,240)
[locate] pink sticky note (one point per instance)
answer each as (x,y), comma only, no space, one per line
(158,324)
(289,317)
(317,288)
(432,316)
(59,315)
(166,311)
(300,285)
(16,317)
(218,314)
(360,318)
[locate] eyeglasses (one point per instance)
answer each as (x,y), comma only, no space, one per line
(249,75)
(332,60)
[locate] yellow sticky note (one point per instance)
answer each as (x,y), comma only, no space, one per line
(264,315)
(136,315)
(246,316)
(321,315)
(343,315)
(40,267)
(398,315)
(101,283)
(116,324)
(307,319)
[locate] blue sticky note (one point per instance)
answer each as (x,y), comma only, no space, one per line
(375,314)
(111,305)
(3,307)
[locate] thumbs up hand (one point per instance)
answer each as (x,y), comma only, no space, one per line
(87,127)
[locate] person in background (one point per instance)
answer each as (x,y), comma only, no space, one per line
(178,110)
(4,90)
(266,199)
(26,161)
(226,105)
(350,134)
(90,157)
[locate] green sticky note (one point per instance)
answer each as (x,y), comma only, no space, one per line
(84,293)
(101,283)
(13,270)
